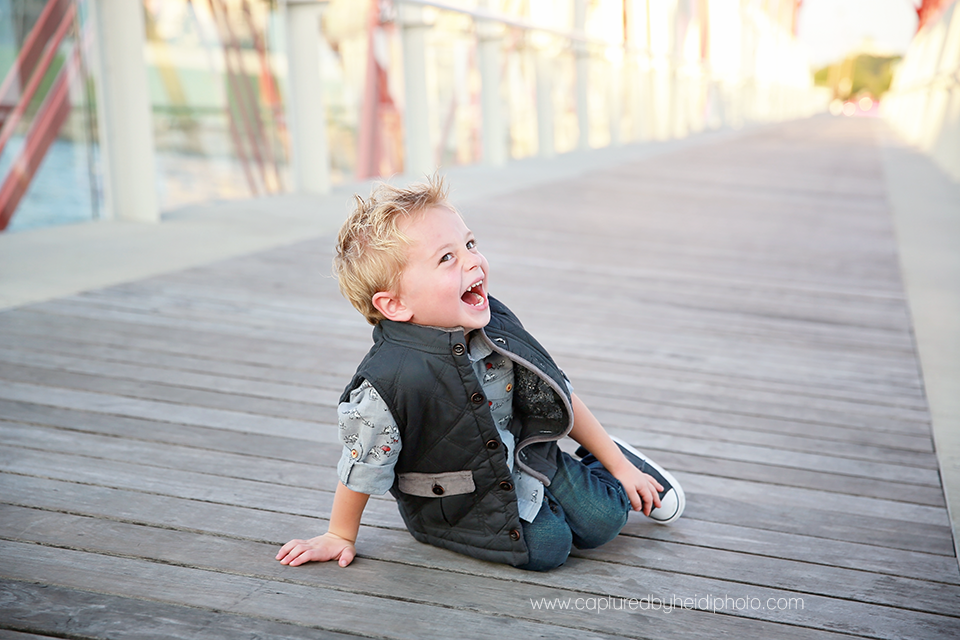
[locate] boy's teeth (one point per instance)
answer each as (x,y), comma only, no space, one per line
(474,291)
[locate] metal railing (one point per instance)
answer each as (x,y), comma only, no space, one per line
(36,56)
(680,95)
(923,104)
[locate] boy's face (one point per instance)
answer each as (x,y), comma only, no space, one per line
(444,283)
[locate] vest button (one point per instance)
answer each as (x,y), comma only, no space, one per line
(459,349)
(506,486)
(514,535)
(493,444)
(438,490)
(476,398)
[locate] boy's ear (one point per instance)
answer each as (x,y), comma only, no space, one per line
(392,308)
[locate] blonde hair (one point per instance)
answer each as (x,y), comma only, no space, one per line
(371,249)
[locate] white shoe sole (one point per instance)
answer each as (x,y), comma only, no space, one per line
(673,501)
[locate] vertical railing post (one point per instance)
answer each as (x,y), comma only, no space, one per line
(582,71)
(545,122)
(418,155)
(126,122)
(489,40)
(306,113)
(615,98)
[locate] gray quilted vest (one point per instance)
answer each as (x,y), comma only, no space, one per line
(453,486)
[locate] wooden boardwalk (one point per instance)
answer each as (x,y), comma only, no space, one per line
(735,310)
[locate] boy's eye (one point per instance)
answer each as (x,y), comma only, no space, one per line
(471,244)
(447,257)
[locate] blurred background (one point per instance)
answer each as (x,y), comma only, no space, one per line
(248,98)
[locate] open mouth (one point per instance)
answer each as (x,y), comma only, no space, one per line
(474,295)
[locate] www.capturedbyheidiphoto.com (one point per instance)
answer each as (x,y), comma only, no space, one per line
(668,604)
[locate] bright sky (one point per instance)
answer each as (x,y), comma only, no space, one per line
(832,28)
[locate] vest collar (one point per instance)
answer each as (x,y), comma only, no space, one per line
(415,336)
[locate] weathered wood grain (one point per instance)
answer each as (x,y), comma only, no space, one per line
(423,586)
(58,612)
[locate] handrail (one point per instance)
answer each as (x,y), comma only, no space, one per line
(574,35)
(36,57)
(32,47)
(947,78)
(47,123)
(10,123)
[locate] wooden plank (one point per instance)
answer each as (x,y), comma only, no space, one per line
(271,526)
(190,456)
(771,474)
(228,441)
(715,505)
(903,451)
(826,415)
(180,483)
(112,336)
(60,612)
(220,328)
(311,606)
(827,464)
(426,588)
(879,327)
(165,456)
(178,547)
(165,411)
(311,356)
(804,548)
(174,394)
(146,326)
(55,346)
(820,523)
(684,383)
(800,498)
(303,394)
(240,310)
(891,434)
(8,634)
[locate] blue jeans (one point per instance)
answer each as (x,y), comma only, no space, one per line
(584,506)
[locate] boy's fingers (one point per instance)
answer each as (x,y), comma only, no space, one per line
(287,548)
(297,554)
(347,556)
(306,555)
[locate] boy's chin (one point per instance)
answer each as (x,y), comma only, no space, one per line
(477,320)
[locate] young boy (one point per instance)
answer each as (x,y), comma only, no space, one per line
(457,410)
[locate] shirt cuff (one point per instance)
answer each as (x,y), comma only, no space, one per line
(372,479)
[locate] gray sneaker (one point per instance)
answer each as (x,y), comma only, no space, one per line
(672,499)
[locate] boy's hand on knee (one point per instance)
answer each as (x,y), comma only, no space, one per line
(329,546)
(642,490)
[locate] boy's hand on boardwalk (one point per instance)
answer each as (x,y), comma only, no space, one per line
(642,489)
(329,546)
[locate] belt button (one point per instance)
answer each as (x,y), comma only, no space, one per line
(477,398)
(506,486)
(493,444)
(514,535)
(459,349)
(438,490)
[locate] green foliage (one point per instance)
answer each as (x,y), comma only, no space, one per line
(865,74)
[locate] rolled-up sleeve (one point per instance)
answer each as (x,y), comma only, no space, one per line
(371,442)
